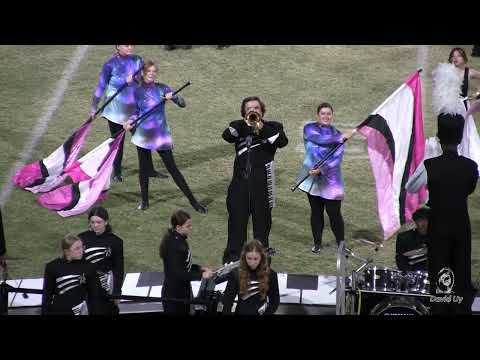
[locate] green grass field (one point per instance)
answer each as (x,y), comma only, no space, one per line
(292,80)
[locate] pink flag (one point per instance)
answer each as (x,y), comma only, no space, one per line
(91,180)
(395,139)
(44,175)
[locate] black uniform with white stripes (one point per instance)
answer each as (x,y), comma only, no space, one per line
(67,285)
(179,272)
(251,303)
(105,251)
(252,189)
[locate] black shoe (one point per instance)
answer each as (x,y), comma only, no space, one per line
(317,249)
(158,174)
(200,208)
(118,178)
(169,47)
(143,205)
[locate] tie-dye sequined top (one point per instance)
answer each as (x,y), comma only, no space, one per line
(153,133)
(114,74)
(319,140)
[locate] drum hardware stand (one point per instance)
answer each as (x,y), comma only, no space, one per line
(347,253)
(4,289)
(342,254)
(341,272)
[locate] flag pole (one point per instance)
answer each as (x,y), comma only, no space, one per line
(145,115)
(331,152)
(114,95)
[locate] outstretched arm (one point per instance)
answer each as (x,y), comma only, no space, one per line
(474,74)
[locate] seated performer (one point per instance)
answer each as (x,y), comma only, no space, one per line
(153,133)
(254,282)
(252,189)
(415,239)
(104,249)
(70,284)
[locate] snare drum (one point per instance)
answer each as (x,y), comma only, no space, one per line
(417,282)
(382,279)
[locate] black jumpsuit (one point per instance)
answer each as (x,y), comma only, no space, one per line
(105,251)
(252,302)
(66,285)
(252,189)
(451,179)
(179,272)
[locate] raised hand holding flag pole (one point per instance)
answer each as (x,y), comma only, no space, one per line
(109,100)
(395,141)
(328,155)
(132,125)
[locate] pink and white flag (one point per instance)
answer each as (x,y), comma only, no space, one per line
(89,179)
(44,175)
(395,139)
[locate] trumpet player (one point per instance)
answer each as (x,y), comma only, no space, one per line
(252,189)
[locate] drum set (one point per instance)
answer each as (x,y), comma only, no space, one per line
(374,290)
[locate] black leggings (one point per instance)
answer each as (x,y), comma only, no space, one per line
(117,163)
(317,205)
(146,169)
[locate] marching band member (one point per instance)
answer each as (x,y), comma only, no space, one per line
(470,145)
(451,178)
(154,134)
(70,284)
(105,250)
(177,264)
(252,189)
(120,68)
(255,283)
(411,240)
(324,186)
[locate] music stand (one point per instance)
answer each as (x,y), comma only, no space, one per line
(302,282)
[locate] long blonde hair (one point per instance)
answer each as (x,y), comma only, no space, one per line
(262,270)
(67,242)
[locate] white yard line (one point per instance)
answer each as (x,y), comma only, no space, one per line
(42,123)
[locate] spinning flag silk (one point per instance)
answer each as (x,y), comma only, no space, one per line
(70,186)
(395,140)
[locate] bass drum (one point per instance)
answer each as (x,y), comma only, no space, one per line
(399,306)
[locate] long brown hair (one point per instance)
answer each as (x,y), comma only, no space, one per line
(148,64)
(262,270)
(102,213)
(179,217)
(462,53)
